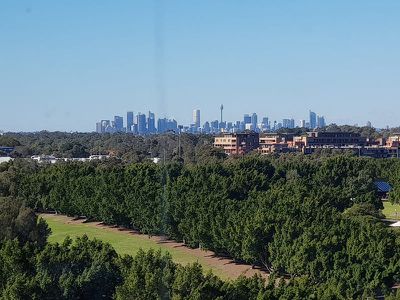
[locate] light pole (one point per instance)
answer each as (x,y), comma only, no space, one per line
(179,140)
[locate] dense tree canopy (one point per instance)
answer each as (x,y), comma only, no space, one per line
(131,148)
(313,220)
(21,223)
(90,269)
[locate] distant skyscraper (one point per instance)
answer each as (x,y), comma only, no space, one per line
(214,126)
(288,123)
(265,124)
(172,125)
(118,123)
(285,123)
(206,127)
(196,119)
(313,120)
(246,119)
(254,122)
(105,124)
(221,108)
(302,123)
(321,122)
(134,128)
(242,126)
(110,126)
(151,123)
(164,125)
(369,124)
(141,123)
(99,127)
(161,125)
(129,121)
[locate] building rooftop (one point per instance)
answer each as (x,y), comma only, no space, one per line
(383,186)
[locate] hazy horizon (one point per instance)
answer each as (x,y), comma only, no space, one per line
(67,64)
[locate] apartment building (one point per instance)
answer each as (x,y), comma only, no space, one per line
(237,143)
(275,143)
(329,139)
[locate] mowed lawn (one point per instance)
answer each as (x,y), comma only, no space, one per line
(391,211)
(123,242)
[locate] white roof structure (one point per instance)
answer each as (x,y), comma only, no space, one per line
(397,224)
(5,159)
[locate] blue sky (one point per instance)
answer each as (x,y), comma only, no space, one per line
(66,64)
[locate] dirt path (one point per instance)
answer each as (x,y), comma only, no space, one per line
(227,266)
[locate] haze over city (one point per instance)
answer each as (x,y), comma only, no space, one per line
(67,64)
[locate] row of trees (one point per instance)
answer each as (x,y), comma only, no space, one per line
(32,268)
(188,147)
(310,219)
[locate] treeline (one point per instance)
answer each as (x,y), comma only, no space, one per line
(128,147)
(308,219)
(186,147)
(32,268)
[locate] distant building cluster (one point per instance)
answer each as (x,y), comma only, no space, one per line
(267,143)
(142,124)
(137,124)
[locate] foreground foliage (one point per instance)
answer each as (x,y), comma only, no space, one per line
(91,269)
(312,220)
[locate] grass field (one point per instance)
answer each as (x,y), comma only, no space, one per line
(391,211)
(122,242)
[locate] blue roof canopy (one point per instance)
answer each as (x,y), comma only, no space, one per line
(383,186)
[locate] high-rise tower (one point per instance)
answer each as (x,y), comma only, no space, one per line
(254,121)
(141,123)
(313,120)
(151,123)
(129,121)
(246,119)
(196,118)
(221,108)
(119,123)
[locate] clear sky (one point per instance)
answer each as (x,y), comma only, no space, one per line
(65,64)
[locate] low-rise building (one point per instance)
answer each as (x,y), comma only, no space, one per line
(44,158)
(275,143)
(393,141)
(99,156)
(332,139)
(237,143)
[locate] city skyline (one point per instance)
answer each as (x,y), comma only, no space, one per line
(66,63)
(250,121)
